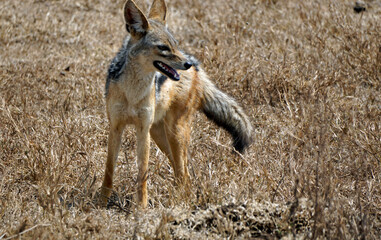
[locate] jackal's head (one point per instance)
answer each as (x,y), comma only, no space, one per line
(152,43)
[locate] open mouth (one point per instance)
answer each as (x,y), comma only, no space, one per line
(167,70)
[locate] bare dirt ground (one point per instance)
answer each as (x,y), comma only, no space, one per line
(308,73)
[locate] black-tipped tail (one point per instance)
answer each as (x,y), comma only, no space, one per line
(226,113)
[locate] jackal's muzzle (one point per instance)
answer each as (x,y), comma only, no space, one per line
(169,71)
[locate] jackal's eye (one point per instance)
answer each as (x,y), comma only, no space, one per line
(163,48)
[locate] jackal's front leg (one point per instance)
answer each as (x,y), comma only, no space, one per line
(114,140)
(143,138)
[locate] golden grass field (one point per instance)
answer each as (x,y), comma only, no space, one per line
(308,74)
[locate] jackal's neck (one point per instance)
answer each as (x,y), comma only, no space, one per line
(136,70)
(137,83)
(130,69)
(137,65)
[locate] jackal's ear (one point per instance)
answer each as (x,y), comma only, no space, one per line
(136,23)
(158,11)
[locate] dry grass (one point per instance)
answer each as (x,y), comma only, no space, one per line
(308,73)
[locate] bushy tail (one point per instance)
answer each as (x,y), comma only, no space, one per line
(226,113)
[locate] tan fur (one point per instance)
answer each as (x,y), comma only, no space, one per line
(166,115)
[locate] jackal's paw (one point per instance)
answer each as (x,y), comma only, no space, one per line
(103,197)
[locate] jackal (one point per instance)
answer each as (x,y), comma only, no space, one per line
(157,87)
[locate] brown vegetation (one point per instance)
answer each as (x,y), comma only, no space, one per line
(308,74)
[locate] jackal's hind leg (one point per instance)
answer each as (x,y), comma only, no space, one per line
(178,135)
(158,135)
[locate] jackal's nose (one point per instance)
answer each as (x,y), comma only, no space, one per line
(187,65)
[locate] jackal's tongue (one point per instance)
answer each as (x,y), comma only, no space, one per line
(167,70)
